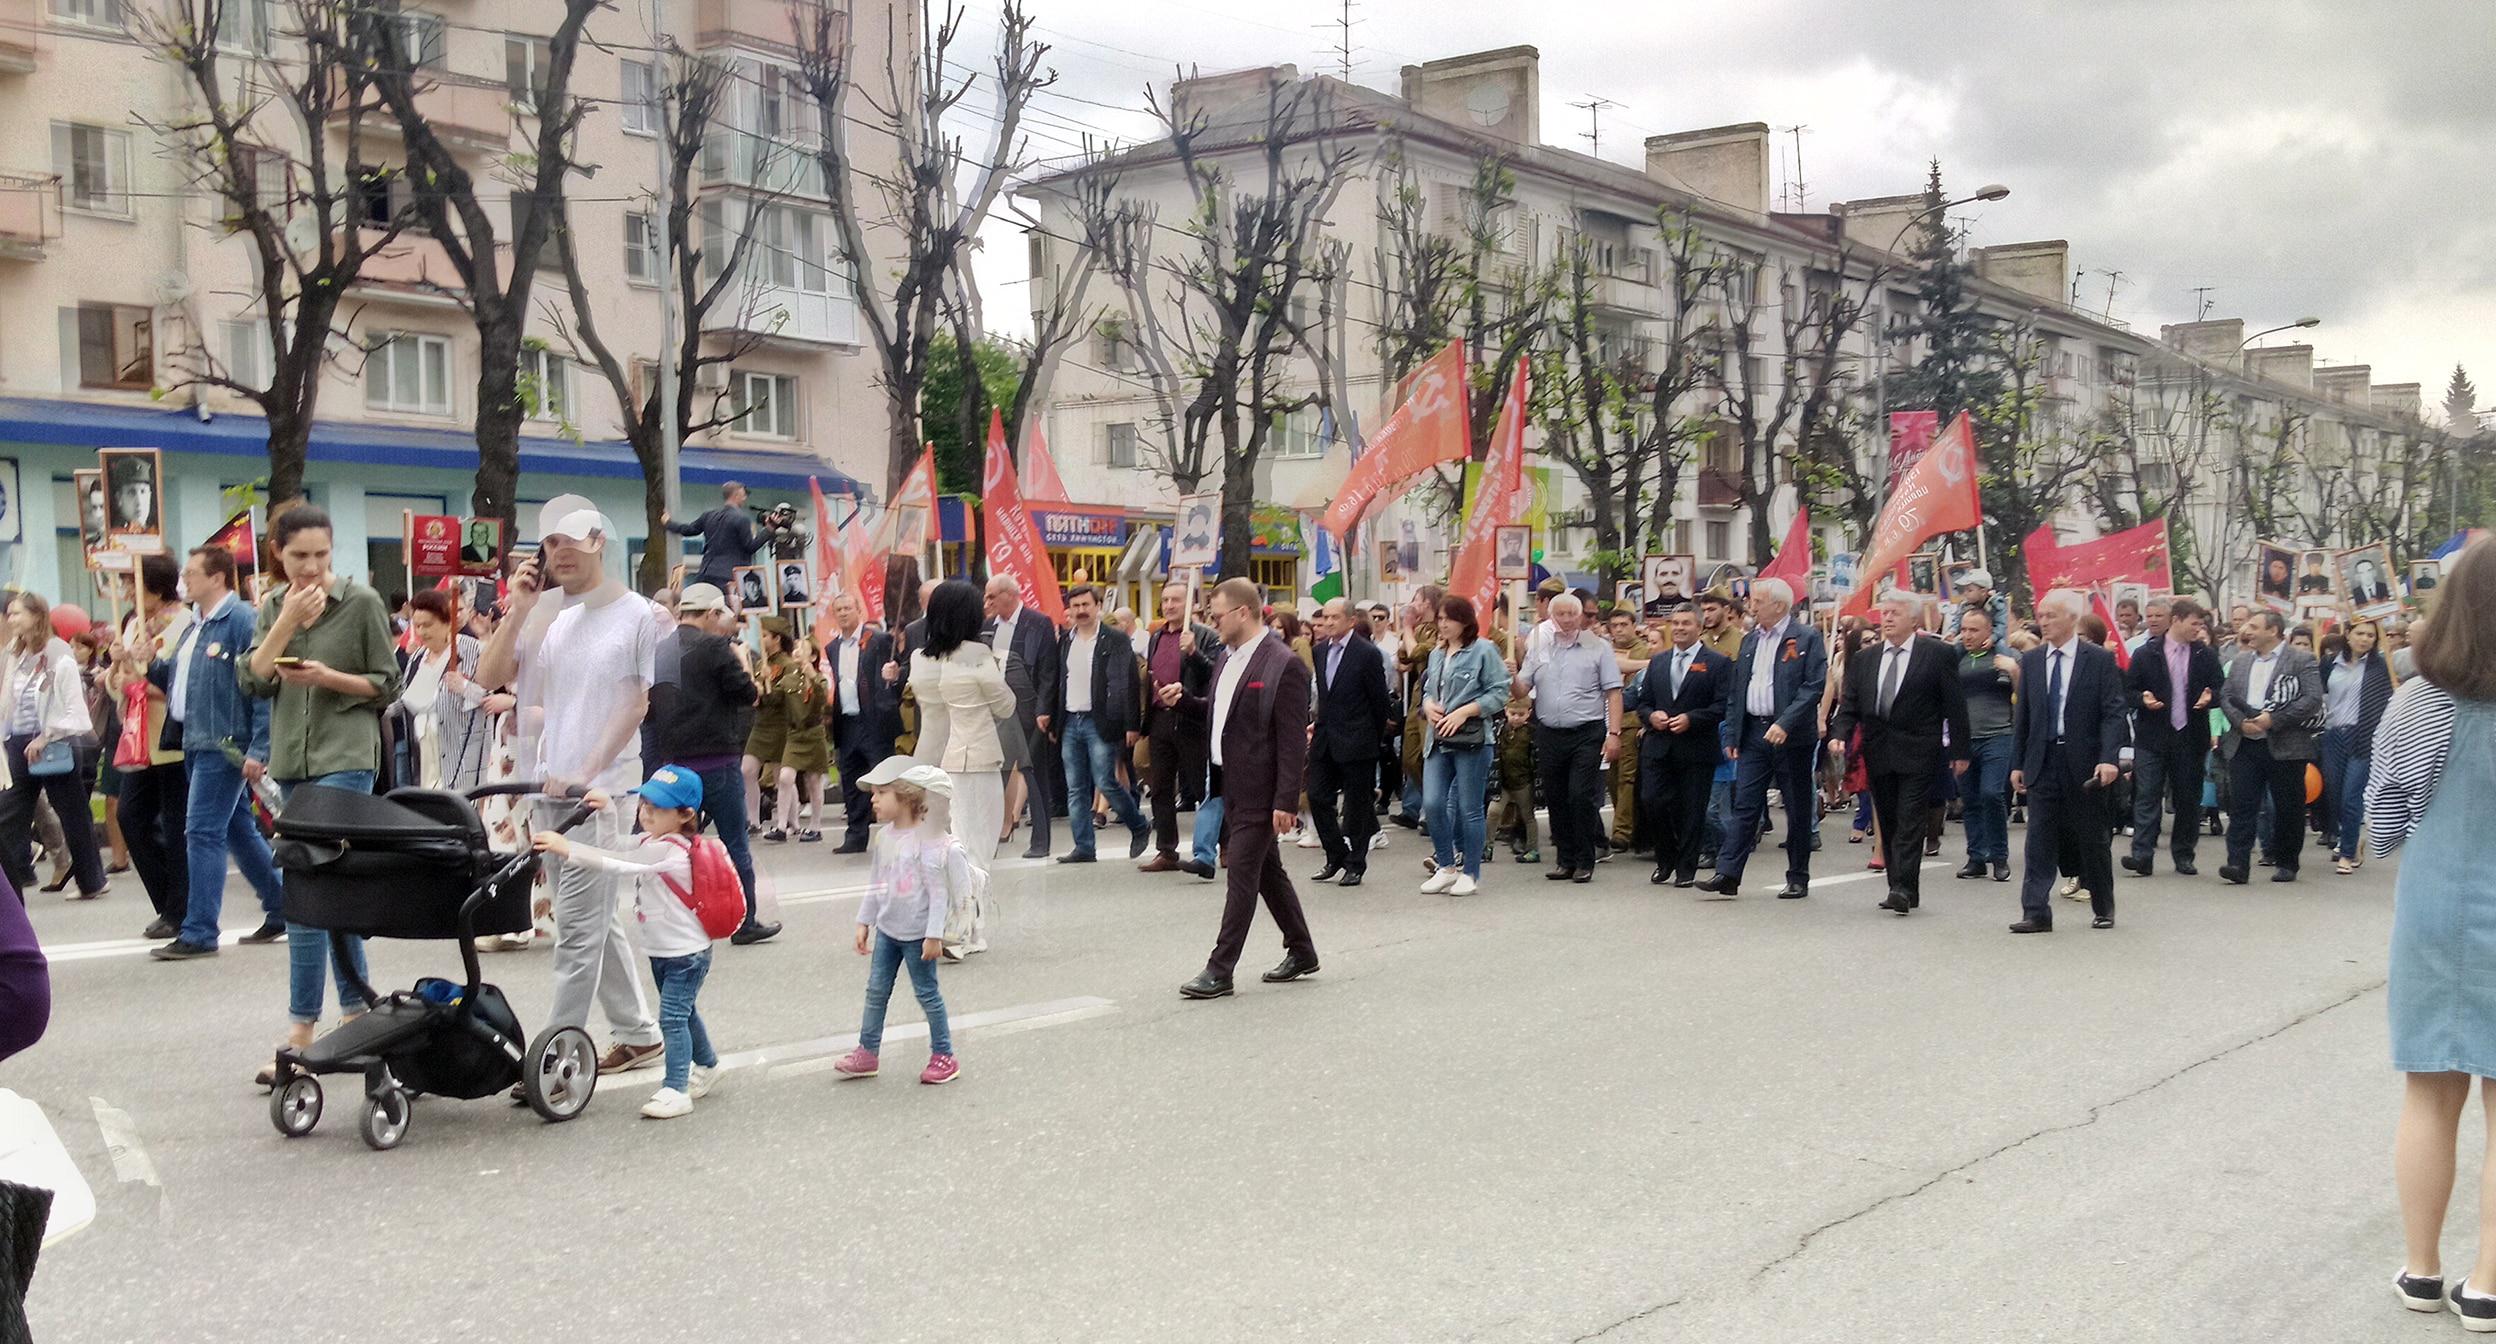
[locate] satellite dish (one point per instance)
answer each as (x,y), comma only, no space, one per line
(301,234)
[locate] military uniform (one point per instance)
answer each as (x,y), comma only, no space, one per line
(1625,765)
(1516,791)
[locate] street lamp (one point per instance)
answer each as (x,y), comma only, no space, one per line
(2285,326)
(1991,191)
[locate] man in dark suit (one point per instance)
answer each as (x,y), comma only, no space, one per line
(2274,704)
(1101,720)
(1177,653)
(1903,690)
(2174,680)
(1351,716)
(1771,733)
(2067,753)
(866,711)
(1017,632)
(1256,714)
(1680,703)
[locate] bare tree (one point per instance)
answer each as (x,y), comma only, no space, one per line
(257,135)
(1689,271)
(1061,320)
(1816,313)
(1586,400)
(939,193)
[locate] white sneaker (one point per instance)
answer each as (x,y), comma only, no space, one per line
(1440,881)
(1308,839)
(1463,885)
(974,947)
(1378,842)
(666,1104)
(700,1083)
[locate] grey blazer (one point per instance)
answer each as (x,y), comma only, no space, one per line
(2294,697)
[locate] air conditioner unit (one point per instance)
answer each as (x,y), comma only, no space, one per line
(711,377)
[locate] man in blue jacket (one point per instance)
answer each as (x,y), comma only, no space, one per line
(214,718)
(1771,734)
(730,537)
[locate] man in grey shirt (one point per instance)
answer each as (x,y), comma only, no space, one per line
(1575,679)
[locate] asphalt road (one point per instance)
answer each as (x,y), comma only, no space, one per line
(1545,1112)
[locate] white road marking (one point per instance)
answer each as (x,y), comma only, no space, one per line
(1868,874)
(803,1057)
(121,1140)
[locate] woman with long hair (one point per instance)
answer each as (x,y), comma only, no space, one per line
(2357,688)
(962,694)
(1463,690)
(453,715)
(50,747)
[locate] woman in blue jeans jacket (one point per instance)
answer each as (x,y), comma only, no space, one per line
(1465,684)
(2357,686)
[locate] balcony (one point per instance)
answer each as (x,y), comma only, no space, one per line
(410,266)
(21,35)
(785,316)
(1718,489)
(768,25)
(465,112)
(30,214)
(735,158)
(1631,293)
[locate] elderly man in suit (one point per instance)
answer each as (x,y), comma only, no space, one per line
(1351,717)
(2173,683)
(2067,753)
(866,711)
(1019,634)
(1903,690)
(2274,705)
(1257,721)
(1103,718)
(1771,734)
(1177,653)
(1680,703)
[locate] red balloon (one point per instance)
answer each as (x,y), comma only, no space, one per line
(2313,784)
(69,622)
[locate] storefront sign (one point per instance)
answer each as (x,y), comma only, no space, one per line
(1067,529)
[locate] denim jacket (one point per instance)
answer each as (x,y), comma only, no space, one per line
(218,714)
(1473,674)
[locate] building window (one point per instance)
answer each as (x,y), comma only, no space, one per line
(243,27)
(94,165)
(247,356)
(524,71)
(89,13)
(261,175)
(116,346)
(641,98)
(1719,540)
(421,39)
(1118,444)
(766,405)
(550,255)
(1294,435)
(642,262)
(409,373)
(789,252)
(1110,344)
(545,383)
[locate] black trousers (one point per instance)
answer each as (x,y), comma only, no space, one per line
(1572,761)
(2171,773)
(155,804)
(2069,823)
(1038,772)
(857,756)
(2251,775)
(1355,784)
(1254,868)
(1178,757)
(1672,807)
(1904,805)
(68,794)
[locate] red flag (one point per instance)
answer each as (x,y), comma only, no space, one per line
(1044,485)
(1936,495)
(1792,561)
(1426,430)
(830,580)
(2114,633)
(1497,501)
(862,570)
(2134,555)
(1910,437)
(909,516)
(1014,548)
(238,537)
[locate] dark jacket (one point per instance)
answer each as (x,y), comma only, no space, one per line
(1704,689)
(879,703)
(1195,664)
(2374,694)
(2094,731)
(1352,708)
(730,536)
(1908,739)
(1802,673)
(1034,641)
(1117,704)
(218,714)
(699,712)
(1265,741)
(2154,729)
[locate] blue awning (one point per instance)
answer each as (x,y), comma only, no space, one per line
(80,424)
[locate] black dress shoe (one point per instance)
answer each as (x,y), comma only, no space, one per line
(1408,822)
(751,932)
(2102,922)
(846,848)
(2233,876)
(2033,926)
(1194,869)
(1721,885)
(1896,903)
(1035,852)
(1659,877)
(2283,875)
(1137,841)
(1559,874)
(1794,891)
(1351,878)
(1583,875)
(2185,868)
(1975,868)
(1205,986)
(1684,880)
(1078,857)
(2001,872)
(159,929)
(1291,967)
(270,931)
(1328,873)
(2133,865)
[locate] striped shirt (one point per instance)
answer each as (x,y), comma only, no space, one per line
(2411,744)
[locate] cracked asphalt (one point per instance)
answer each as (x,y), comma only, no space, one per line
(1546,1112)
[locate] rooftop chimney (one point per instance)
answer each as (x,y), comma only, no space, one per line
(2344,383)
(2289,364)
(2394,399)
(1725,166)
(1880,221)
(2217,338)
(1226,87)
(2039,270)
(1496,93)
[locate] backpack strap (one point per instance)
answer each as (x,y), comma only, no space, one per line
(684,894)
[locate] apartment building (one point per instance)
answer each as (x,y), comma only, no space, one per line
(116,272)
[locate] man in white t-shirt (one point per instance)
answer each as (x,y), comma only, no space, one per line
(589,736)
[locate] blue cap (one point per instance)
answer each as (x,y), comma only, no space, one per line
(672,786)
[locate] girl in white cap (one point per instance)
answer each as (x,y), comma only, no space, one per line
(920,871)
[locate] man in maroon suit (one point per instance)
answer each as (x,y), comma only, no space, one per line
(1256,714)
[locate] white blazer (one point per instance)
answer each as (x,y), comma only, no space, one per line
(961,696)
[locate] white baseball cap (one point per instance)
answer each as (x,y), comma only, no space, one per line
(907,770)
(579,525)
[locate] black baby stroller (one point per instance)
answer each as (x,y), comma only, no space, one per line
(415,864)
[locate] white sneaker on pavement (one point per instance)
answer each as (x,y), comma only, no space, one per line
(1438,883)
(699,1084)
(1378,842)
(1308,839)
(666,1104)
(1463,885)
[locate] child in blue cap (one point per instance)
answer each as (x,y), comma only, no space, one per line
(671,934)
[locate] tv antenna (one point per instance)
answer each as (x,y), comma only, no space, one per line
(2201,301)
(1343,23)
(1796,186)
(1593,134)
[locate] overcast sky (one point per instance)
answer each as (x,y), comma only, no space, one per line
(2298,157)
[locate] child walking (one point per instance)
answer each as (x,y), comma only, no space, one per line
(919,872)
(661,864)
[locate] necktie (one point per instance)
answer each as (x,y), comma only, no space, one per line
(2054,692)
(1894,660)
(1681,668)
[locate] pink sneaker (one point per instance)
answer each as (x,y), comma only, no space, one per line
(858,1063)
(940,1069)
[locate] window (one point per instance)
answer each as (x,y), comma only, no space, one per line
(247,356)
(94,165)
(91,13)
(1118,444)
(642,260)
(524,70)
(259,174)
(766,404)
(1294,435)
(778,96)
(378,197)
(545,383)
(1110,343)
(116,345)
(641,98)
(243,26)
(788,250)
(1719,540)
(549,256)
(420,39)
(410,373)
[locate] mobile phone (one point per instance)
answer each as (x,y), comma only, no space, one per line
(289,662)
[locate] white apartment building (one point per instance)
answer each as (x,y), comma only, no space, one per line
(113,259)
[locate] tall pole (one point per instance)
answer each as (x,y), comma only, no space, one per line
(669,343)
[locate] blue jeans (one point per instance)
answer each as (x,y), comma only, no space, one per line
(888,956)
(1987,794)
(217,823)
(308,948)
(1452,784)
(723,801)
(680,1027)
(2344,790)
(1207,838)
(1719,812)
(1092,764)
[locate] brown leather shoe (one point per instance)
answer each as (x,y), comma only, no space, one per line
(1164,862)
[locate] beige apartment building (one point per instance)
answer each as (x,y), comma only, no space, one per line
(115,272)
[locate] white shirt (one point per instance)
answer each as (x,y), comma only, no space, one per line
(2258,678)
(845,671)
(1682,659)
(2069,651)
(1227,685)
(1002,638)
(182,660)
(1893,664)
(601,654)
(1761,697)
(1079,647)
(669,927)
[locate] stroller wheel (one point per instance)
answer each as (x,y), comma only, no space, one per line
(562,1072)
(385,1119)
(295,1107)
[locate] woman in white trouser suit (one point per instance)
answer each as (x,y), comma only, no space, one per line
(962,695)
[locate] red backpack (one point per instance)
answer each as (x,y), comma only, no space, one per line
(718,897)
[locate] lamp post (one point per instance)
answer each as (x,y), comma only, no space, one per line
(1992,191)
(2284,326)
